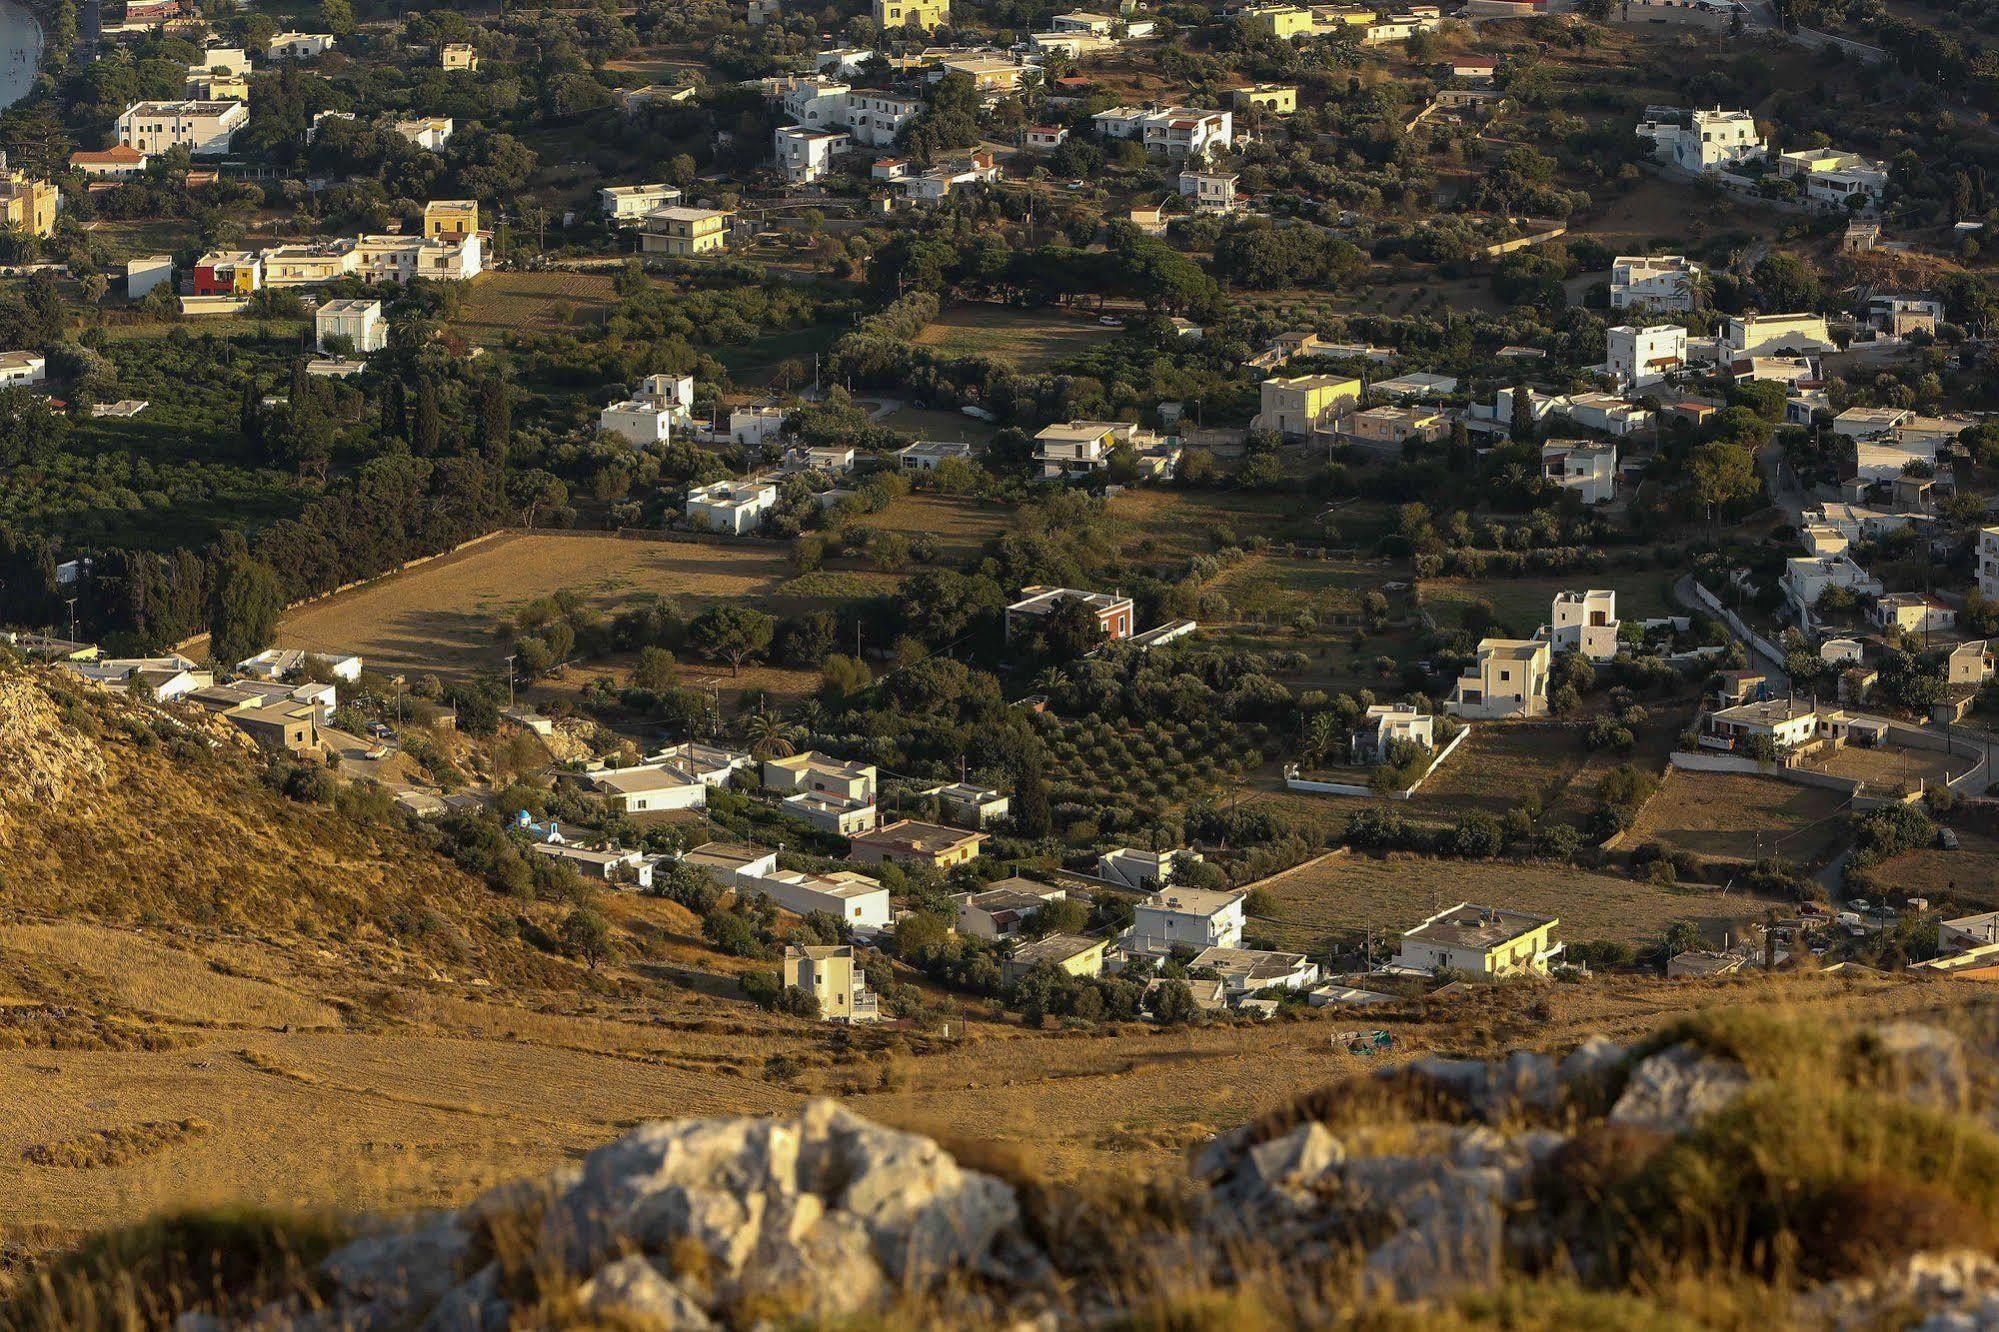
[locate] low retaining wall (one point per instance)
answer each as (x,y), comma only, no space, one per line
(1735,623)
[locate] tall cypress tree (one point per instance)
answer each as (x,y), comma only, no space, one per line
(424,427)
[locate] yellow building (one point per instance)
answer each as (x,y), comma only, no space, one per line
(218,86)
(1480,941)
(925,14)
(1071,954)
(685,232)
(1275,99)
(451,219)
(828,974)
(1297,406)
(458,56)
(28,205)
(1284,22)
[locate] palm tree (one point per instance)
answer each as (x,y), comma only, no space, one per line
(771,736)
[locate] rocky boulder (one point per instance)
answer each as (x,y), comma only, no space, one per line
(676,1223)
(1677,1088)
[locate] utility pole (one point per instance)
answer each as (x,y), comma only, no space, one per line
(72,619)
(510,682)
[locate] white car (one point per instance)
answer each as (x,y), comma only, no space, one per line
(1110,321)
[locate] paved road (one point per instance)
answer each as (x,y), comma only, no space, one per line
(1780,680)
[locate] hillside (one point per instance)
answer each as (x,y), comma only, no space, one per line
(1743,1170)
(215,996)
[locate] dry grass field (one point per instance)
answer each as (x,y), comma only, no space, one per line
(1969,875)
(1501,766)
(546,302)
(441,617)
(1730,816)
(1336,898)
(961,526)
(1026,339)
(449,1090)
(1188,522)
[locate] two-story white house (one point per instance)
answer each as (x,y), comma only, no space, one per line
(1584,622)
(1192,919)
(1662,283)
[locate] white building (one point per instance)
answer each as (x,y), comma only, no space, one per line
(1211,191)
(814,771)
(401,259)
(1176,132)
(1665,283)
(872,116)
(1607,412)
(298,45)
(928,455)
(1174,919)
(360,322)
(838,815)
(629,204)
(205,129)
(755,426)
(1831,178)
(736,507)
(1914,613)
(1585,622)
(281,663)
(1806,578)
(1587,467)
(852,898)
(1988,563)
(1388,723)
(142,275)
(1638,356)
(806,155)
(650,788)
(21,368)
(637,421)
(431,132)
(1703,141)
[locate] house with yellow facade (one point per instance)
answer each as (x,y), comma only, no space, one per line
(28,205)
(451,219)
(925,14)
(1479,941)
(1273,99)
(1296,406)
(685,232)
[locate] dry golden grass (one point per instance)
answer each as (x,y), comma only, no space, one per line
(546,302)
(442,617)
(1339,897)
(1730,816)
(115,1146)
